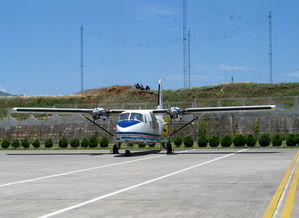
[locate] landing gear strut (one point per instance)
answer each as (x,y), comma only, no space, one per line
(169,148)
(115,149)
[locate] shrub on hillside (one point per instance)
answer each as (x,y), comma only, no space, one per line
(277,140)
(239,141)
(202,141)
(291,140)
(265,140)
(251,140)
(188,141)
(177,140)
(104,142)
(226,141)
(36,143)
(93,142)
(75,142)
(5,143)
(63,142)
(25,143)
(214,141)
(49,143)
(84,143)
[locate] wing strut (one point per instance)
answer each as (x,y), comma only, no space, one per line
(99,126)
(183,127)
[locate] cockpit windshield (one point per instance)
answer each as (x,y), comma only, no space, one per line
(131,116)
(136,116)
(124,116)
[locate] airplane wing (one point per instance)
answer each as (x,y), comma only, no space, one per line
(175,111)
(95,112)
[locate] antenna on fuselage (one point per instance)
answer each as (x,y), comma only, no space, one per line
(160,95)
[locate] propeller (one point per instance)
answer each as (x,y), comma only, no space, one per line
(98,113)
(175,112)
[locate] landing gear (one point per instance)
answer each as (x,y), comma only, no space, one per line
(115,149)
(127,153)
(169,148)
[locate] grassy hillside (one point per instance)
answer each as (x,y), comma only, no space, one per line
(128,94)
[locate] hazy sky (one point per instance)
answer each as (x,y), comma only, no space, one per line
(129,41)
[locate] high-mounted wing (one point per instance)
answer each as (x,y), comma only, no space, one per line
(175,112)
(95,112)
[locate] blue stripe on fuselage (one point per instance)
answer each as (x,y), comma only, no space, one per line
(127,123)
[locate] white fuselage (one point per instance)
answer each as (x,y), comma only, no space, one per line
(139,126)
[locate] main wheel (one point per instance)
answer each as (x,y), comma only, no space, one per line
(127,152)
(169,148)
(115,149)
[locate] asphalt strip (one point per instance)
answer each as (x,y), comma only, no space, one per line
(137,185)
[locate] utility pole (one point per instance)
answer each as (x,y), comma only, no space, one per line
(189,60)
(81,53)
(270,46)
(185,42)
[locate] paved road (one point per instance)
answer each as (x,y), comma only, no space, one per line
(195,183)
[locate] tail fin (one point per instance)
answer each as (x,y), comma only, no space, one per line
(160,95)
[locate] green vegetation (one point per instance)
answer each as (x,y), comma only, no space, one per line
(225,94)
(75,142)
(25,143)
(104,142)
(214,141)
(93,142)
(84,143)
(15,143)
(251,141)
(291,140)
(277,140)
(177,140)
(265,140)
(202,141)
(5,143)
(188,141)
(36,143)
(63,142)
(226,141)
(239,141)
(49,143)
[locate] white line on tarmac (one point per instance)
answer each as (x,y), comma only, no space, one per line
(136,186)
(84,170)
(79,171)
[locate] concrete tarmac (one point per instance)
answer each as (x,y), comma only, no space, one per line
(193,183)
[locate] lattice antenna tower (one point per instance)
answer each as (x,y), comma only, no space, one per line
(189,60)
(81,57)
(270,46)
(185,42)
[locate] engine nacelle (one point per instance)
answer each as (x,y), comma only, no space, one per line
(175,112)
(98,113)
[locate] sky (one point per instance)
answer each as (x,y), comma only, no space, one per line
(129,41)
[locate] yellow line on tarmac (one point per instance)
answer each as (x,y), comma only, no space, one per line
(288,207)
(275,199)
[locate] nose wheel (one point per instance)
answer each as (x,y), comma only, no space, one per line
(127,152)
(115,149)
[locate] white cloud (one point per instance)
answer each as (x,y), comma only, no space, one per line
(2,89)
(294,74)
(233,67)
(152,11)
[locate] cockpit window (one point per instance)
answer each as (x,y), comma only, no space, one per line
(136,116)
(124,116)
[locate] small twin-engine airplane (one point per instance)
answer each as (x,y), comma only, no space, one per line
(144,126)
